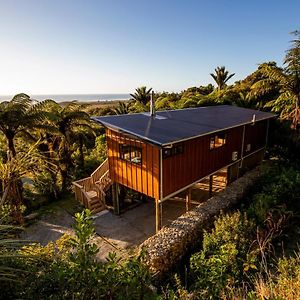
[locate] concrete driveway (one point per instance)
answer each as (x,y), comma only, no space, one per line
(120,234)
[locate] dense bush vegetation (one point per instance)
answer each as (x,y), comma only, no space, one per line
(239,255)
(44,146)
(226,259)
(68,269)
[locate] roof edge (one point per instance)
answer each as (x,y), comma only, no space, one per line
(156,143)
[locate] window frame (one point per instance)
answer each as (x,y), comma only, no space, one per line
(132,149)
(174,151)
(212,140)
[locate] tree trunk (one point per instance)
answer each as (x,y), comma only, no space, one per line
(296,119)
(81,155)
(11,146)
(64,179)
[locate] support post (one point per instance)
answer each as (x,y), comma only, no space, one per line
(188,199)
(210,185)
(158,215)
(115,198)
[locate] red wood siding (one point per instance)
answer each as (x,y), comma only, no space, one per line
(180,170)
(198,160)
(255,135)
(143,178)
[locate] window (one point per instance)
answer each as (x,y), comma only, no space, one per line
(131,153)
(217,140)
(168,152)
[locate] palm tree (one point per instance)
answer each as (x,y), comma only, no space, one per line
(23,164)
(19,116)
(82,137)
(63,127)
(122,108)
(221,77)
(287,103)
(142,95)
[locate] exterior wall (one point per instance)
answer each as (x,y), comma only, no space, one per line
(255,135)
(198,160)
(181,170)
(143,178)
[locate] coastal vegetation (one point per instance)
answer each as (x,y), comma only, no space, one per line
(250,253)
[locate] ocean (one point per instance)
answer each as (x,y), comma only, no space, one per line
(78,97)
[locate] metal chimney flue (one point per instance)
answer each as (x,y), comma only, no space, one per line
(152,105)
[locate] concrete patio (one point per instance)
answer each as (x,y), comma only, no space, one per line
(118,233)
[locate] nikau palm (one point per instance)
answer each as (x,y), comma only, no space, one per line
(221,77)
(142,95)
(122,108)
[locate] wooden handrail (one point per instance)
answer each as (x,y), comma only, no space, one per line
(98,181)
(98,173)
(77,185)
(105,162)
(104,176)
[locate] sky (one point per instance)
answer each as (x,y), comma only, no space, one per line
(114,46)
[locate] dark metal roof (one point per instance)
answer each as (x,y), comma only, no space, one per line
(172,126)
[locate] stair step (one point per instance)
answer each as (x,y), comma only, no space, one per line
(95,204)
(92,194)
(96,210)
(94,199)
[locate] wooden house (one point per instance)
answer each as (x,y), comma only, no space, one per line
(164,153)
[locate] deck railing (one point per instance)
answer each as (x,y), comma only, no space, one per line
(98,180)
(81,195)
(100,171)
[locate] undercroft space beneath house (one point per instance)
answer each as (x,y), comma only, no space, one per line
(136,224)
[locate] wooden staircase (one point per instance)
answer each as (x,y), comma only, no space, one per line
(91,191)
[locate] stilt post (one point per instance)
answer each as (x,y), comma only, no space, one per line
(188,199)
(115,198)
(158,215)
(210,185)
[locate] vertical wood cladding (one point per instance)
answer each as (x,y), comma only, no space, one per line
(143,177)
(255,135)
(181,169)
(198,160)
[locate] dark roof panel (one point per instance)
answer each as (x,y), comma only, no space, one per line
(176,125)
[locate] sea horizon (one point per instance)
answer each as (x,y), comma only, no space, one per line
(73,97)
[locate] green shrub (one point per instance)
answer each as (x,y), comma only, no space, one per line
(5,214)
(225,260)
(69,269)
(280,187)
(46,185)
(92,159)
